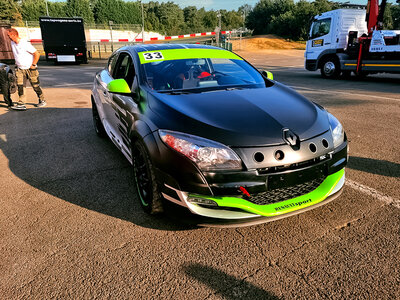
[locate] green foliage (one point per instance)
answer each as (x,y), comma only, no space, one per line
(9,10)
(396,16)
(286,18)
(33,9)
(80,8)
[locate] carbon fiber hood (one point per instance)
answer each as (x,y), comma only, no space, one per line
(240,118)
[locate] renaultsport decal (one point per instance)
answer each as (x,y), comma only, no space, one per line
(300,203)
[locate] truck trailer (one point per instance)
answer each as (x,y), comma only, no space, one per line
(342,41)
(64,39)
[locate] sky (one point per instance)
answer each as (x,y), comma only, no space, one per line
(235,4)
(231,4)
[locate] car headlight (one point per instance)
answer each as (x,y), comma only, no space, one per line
(207,154)
(337,130)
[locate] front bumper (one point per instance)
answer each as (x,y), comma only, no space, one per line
(209,197)
(238,208)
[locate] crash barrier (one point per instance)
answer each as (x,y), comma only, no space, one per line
(102,49)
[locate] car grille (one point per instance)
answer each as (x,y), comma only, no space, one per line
(282,194)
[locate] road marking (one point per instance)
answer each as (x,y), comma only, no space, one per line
(71,84)
(373,193)
(345,93)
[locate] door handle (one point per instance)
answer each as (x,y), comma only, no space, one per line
(327,43)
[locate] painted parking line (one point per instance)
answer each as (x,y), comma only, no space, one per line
(373,193)
(344,93)
(71,84)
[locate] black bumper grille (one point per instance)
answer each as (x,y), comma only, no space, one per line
(282,194)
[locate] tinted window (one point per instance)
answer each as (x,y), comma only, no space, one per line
(321,27)
(201,73)
(124,68)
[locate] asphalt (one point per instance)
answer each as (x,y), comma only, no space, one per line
(71,226)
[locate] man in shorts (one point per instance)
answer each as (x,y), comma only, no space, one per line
(26,58)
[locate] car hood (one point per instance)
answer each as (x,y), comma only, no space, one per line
(247,117)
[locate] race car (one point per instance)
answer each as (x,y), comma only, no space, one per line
(206,130)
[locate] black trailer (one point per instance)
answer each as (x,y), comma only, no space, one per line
(64,39)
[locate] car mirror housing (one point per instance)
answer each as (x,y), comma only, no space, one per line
(118,86)
(268,74)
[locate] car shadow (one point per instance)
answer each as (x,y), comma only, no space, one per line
(374,166)
(224,285)
(57,151)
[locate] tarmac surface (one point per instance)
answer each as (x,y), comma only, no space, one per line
(71,226)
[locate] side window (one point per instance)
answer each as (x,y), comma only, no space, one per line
(321,27)
(124,68)
(111,63)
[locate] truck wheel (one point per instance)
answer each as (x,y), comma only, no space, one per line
(330,68)
(98,126)
(146,185)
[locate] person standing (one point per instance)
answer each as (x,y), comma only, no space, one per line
(26,58)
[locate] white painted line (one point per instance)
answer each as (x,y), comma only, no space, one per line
(373,193)
(345,93)
(72,84)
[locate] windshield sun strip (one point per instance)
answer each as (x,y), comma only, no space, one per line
(176,54)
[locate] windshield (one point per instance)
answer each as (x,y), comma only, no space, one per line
(320,27)
(200,73)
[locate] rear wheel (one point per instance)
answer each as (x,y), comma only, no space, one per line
(146,185)
(330,68)
(98,126)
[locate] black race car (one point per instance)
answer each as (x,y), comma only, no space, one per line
(206,130)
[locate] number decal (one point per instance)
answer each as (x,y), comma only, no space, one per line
(153,56)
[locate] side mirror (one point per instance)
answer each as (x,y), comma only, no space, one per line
(119,86)
(268,75)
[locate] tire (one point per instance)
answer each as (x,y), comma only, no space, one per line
(146,186)
(330,68)
(98,125)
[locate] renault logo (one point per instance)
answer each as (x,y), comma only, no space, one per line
(290,137)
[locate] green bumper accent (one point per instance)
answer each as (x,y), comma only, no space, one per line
(174,54)
(283,207)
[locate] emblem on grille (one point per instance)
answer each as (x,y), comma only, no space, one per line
(290,137)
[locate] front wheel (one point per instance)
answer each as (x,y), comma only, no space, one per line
(146,185)
(98,125)
(330,68)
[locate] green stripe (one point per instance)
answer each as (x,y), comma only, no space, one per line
(174,54)
(283,207)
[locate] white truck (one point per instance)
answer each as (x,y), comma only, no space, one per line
(340,42)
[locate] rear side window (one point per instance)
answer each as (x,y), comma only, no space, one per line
(321,27)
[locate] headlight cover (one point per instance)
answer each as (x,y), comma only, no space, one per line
(207,154)
(337,130)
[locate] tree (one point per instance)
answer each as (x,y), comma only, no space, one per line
(57,9)
(9,10)
(210,20)
(396,16)
(109,10)
(171,17)
(80,8)
(193,19)
(33,9)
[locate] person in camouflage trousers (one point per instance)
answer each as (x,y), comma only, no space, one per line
(26,58)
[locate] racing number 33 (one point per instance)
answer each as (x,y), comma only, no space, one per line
(153,55)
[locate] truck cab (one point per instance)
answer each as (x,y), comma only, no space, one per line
(328,36)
